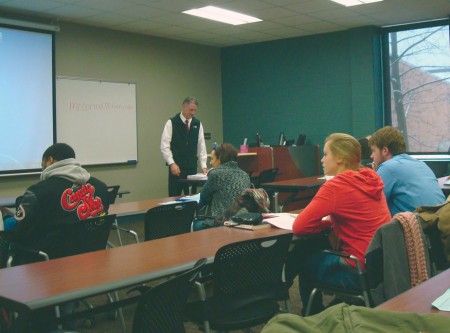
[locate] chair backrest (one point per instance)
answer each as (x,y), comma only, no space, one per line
(112,193)
(75,238)
(160,309)
(169,220)
(88,235)
(251,270)
(265,176)
(397,257)
(4,248)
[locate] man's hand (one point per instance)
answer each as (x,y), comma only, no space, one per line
(205,171)
(175,169)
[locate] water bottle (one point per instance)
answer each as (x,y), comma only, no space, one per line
(214,145)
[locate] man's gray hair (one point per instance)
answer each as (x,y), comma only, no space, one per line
(189,100)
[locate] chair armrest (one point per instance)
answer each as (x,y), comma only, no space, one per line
(131,232)
(346,256)
(28,250)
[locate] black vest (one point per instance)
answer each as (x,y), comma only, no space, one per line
(184,146)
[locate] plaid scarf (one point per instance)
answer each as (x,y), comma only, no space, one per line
(415,247)
(253,200)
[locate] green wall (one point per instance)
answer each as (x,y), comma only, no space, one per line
(314,85)
(165,72)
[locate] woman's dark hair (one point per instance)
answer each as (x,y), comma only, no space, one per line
(225,152)
(59,151)
(365,148)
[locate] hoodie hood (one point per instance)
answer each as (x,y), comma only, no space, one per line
(68,169)
(365,180)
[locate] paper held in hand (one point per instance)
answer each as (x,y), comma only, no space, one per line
(198,176)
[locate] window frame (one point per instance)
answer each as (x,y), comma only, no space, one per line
(386,71)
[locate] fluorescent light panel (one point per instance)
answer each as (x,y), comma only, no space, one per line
(349,3)
(222,15)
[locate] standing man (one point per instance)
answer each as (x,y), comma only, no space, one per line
(408,183)
(182,142)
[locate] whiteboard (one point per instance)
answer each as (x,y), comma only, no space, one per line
(98,119)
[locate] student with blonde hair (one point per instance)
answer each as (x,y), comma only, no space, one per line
(351,206)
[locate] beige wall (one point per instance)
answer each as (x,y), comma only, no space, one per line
(164,71)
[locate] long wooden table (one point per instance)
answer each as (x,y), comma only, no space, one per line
(8,202)
(293,186)
(419,299)
(137,207)
(27,288)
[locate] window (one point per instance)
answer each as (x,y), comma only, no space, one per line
(417,85)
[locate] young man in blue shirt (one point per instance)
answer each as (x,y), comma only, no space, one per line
(408,183)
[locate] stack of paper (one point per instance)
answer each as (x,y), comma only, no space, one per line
(443,302)
(195,197)
(280,220)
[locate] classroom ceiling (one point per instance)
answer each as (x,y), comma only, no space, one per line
(281,18)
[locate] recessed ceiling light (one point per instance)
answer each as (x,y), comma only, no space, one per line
(222,15)
(349,3)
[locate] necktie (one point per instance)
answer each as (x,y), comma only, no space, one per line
(187,126)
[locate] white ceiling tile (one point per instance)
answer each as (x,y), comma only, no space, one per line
(281,18)
(70,11)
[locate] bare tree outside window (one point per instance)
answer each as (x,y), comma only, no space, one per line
(419,62)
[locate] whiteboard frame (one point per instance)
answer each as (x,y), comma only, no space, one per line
(98,118)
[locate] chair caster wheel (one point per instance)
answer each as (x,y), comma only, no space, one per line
(89,323)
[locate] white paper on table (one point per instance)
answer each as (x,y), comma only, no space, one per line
(195,197)
(443,301)
(168,202)
(280,220)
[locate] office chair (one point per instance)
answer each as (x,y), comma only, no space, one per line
(75,238)
(165,221)
(436,250)
(246,284)
(265,176)
(362,293)
(388,266)
(4,248)
(113,191)
(169,220)
(160,309)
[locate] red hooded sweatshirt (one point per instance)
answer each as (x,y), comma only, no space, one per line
(356,205)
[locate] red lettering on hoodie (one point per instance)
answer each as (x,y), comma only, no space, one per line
(83,199)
